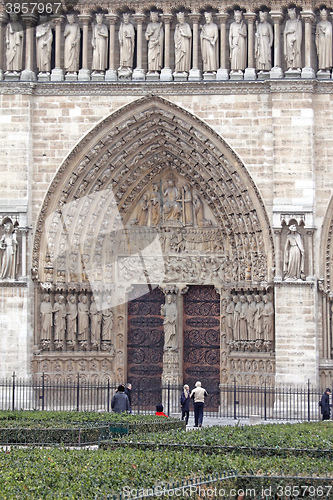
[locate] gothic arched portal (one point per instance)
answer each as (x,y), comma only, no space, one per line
(151,196)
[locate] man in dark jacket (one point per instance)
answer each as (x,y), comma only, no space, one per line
(325,404)
(119,402)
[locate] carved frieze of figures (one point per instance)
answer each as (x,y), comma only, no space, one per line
(293,40)
(324,42)
(154,36)
(263,43)
(293,255)
(249,321)
(9,251)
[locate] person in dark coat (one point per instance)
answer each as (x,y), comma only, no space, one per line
(119,402)
(159,411)
(325,404)
(128,391)
(185,403)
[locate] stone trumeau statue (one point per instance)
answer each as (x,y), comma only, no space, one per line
(238,43)
(154,36)
(126,41)
(183,36)
(170,313)
(14,45)
(44,38)
(324,42)
(263,43)
(209,44)
(100,45)
(72,36)
(293,255)
(292,36)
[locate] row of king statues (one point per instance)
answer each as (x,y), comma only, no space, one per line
(154,35)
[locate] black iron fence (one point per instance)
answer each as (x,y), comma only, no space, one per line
(232,400)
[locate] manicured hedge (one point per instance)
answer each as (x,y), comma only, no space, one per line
(32,474)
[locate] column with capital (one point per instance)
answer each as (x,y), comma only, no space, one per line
(309,18)
(111,73)
(250,72)
(276,71)
(28,73)
(84,73)
(222,72)
(195,73)
(139,72)
(57,74)
(166,72)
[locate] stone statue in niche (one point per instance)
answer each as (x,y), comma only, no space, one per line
(171,208)
(293,255)
(83,321)
(209,44)
(268,317)
(100,46)
(126,41)
(14,45)
(182,37)
(154,36)
(95,321)
(72,36)
(250,317)
(46,321)
(244,306)
(143,211)
(170,313)
(237,311)
(258,318)
(59,309)
(107,319)
(263,43)
(155,203)
(9,252)
(44,38)
(188,206)
(292,36)
(238,43)
(71,314)
(199,212)
(324,42)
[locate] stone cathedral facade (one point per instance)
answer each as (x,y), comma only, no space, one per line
(166,202)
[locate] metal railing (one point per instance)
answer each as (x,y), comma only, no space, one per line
(233,400)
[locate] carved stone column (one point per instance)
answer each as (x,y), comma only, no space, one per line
(84,73)
(57,74)
(276,71)
(310,276)
(309,18)
(111,73)
(3,20)
(166,73)
(278,264)
(139,72)
(222,72)
(28,74)
(250,72)
(195,73)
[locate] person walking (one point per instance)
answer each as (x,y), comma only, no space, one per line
(324,404)
(119,402)
(128,392)
(198,394)
(185,403)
